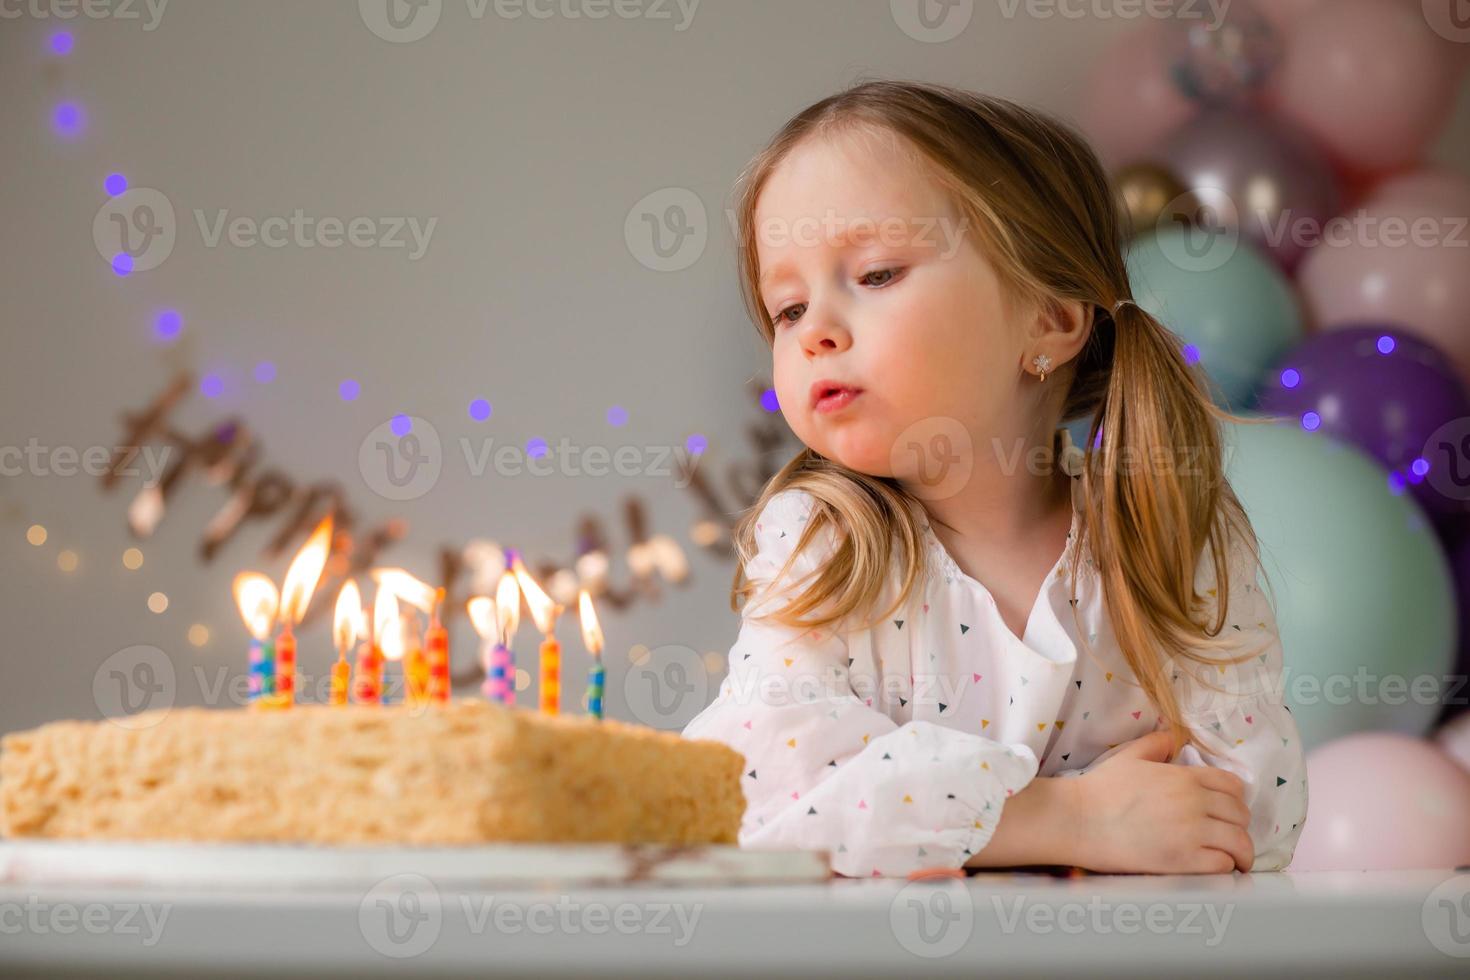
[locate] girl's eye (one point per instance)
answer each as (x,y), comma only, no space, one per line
(890,273)
(884,277)
(781,317)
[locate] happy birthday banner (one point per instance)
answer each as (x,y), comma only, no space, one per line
(227,454)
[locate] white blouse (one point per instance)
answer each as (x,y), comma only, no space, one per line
(895,747)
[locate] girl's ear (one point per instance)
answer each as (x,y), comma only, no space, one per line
(1062,328)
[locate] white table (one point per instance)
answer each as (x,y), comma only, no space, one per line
(1370,924)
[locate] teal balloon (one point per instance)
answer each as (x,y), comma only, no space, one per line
(1222,297)
(1364,593)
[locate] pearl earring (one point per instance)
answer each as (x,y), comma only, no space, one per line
(1043,365)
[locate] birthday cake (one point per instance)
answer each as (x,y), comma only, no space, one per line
(467,772)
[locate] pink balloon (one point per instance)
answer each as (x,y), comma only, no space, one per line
(1131,102)
(1383,800)
(1285,14)
(1453,738)
(1399,262)
(1437,188)
(1369,79)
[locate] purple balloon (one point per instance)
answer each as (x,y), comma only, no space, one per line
(1256,176)
(1458,548)
(1377,388)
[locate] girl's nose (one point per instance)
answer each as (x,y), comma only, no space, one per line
(823,334)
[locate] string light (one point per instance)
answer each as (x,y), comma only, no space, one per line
(157,602)
(36,535)
(67,561)
(132,559)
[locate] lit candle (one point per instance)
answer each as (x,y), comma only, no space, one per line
(368,686)
(482,617)
(592,639)
(544,611)
(495,620)
(420,595)
(415,663)
(436,642)
(503,658)
(347,626)
(387,631)
(301,579)
(258,601)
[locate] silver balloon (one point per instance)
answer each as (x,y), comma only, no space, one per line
(1222,63)
(1258,177)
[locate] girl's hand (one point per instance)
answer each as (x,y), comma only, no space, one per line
(1139,814)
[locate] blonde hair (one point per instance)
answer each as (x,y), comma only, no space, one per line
(1047,218)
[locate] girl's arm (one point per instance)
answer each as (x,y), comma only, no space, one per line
(824,769)
(1040,825)
(1246,727)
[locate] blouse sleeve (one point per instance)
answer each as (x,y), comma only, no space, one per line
(824,770)
(1245,725)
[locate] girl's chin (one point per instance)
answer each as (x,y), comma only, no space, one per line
(860,454)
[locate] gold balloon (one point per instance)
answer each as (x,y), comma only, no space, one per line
(1146,191)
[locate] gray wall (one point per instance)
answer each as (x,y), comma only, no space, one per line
(528,141)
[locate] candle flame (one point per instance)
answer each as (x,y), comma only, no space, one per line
(387,630)
(591,628)
(347,621)
(412,590)
(258,601)
(482,616)
(543,609)
(305,572)
(508,606)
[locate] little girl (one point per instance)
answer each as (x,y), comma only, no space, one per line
(965,641)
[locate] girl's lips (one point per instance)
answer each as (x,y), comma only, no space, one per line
(837,401)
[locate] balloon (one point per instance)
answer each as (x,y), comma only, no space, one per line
(1130,103)
(1453,740)
(1223,63)
(1258,175)
(1286,14)
(1398,261)
(1458,693)
(1384,391)
(1371,80)
(1433,188)
(1146,191)
(1363,597)
(1382,800)
(1231,306)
